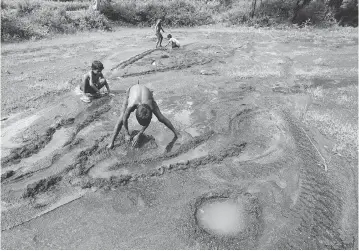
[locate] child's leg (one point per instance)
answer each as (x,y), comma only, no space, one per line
(158,39)
(161,38)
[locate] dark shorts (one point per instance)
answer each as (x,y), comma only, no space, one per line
(159,35)
(86,88)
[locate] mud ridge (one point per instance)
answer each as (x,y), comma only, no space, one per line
(81,159)
(34,146)
(240,116)
(41,186)
(319,206)
(176,67)
(196,141)
(87,121)
(235,150)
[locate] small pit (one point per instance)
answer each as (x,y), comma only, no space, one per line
(223,217)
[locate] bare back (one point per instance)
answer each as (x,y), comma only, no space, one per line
(138,95)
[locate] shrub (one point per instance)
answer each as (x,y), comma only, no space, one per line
(25,7)
(91,20)
(13,28)
(174,13)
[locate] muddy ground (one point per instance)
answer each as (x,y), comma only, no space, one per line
(268,123)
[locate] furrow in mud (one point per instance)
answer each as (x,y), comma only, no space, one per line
(322,224)
(87,121)
(133,59)
(43,185)
(35,146)
(182,149)
(176,67)
(160,170)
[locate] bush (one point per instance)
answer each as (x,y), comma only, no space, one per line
(26,7)
(13,28)
(174,13)
(45,21)
(91,20)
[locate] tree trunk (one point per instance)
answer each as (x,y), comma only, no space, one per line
(254,4)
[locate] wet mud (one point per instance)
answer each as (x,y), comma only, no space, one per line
(245,173)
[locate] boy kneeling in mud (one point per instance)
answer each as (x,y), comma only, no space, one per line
(139,98)
(93,81)
(174,42)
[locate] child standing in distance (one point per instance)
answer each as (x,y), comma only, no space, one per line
(174,42)
(158,29)
(93,81)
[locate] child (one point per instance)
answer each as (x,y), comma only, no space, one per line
(139,98)
(174,42)
(158,29)
(93,81)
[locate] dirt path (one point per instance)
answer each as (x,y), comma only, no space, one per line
(268,124)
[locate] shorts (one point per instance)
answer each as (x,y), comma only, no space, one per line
(159,35)
(87,89)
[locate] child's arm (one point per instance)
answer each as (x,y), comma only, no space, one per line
(126,115)
(163,119)
(136,138)
(106,84)
(119,122)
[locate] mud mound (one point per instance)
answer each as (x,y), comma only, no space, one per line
(36,145)
(160,60)
(41,186)
(29,149)
(7,175)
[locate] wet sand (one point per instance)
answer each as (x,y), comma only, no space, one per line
(240,100)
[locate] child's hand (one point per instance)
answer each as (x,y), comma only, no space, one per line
(136,140)
(111,94)
(127,138)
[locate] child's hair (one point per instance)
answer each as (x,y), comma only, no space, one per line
(97,65)
(158,21)
(144,114)
(169,36)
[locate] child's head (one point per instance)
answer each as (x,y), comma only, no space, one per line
(159,20)
(97,66)
(144,114)
(169,36)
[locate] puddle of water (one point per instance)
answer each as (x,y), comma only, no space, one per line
(197,152)
(10,131)
(78,91)
(59,138)
(162,138)
(91,127)
(193,131)
(101,170)
(184,117)
(224,217)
